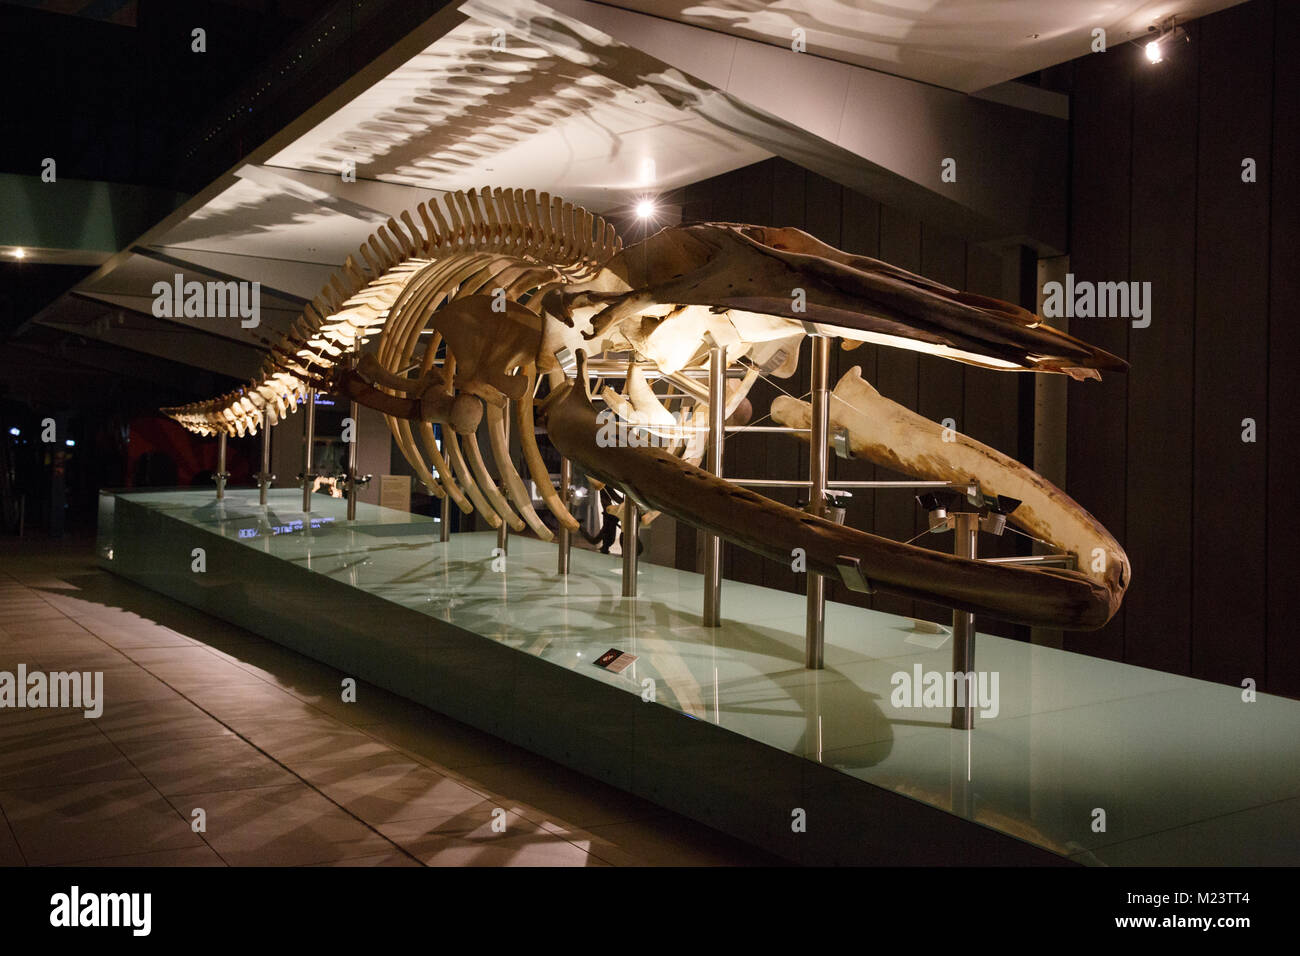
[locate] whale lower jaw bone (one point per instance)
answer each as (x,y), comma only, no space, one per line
(887,434)
(1046,597)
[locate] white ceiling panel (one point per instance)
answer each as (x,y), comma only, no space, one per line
(254,219)
(553,106)
(964,45)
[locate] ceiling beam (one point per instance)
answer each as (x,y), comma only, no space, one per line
(129,328)
(882,135)
(188,264)
(303,280)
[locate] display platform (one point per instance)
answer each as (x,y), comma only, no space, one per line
(1085,760)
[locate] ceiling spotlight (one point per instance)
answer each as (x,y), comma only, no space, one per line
(20,253)
(645,209)
(15,431)
(1162,36)
(70,443)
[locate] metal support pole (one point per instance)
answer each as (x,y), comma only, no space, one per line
(221,474)
(717,438)
(631,535)
(503,531)
(353,411)
(966,527)
(309,441)
(563,538)
(444,524)
(818,467)
(265,478)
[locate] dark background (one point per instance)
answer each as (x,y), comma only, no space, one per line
(1156,455)
(1155,195)
(115,94)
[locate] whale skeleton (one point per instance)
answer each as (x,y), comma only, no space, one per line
(484,302)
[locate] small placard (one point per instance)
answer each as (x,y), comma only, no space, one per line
(614,660)
(395,492)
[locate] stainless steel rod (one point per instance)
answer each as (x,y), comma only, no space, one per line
(954,485)
(717,440)
(966,526)
(603,368)
(832,485)
(353,411)
(264,479)
(616,370)
(1034,559)
(563,539)
(503,530)
(444,523)
(221,466)
(631,535)
(309,442)
(818,473)
(780,429)
(689,385)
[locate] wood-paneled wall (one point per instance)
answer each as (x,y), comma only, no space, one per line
(1158,456)
(983,404)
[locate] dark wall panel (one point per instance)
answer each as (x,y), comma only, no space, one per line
(940,390)
(1283,649)
(1232,255)
(787,456)
(989,398)
(1101,131)
(1155,455)
(1158,455)
(896,379)
(751,199)
(860,235)
(1158,495)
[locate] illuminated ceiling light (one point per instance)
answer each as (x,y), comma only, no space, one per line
(20,253)
(1163,36)
(70,443)
(15,432)
(645,209)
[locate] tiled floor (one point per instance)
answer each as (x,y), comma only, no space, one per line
(202,716)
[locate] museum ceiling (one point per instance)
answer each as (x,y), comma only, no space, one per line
(604,105)
(965,45)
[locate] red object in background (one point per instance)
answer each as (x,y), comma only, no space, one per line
(192,456)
